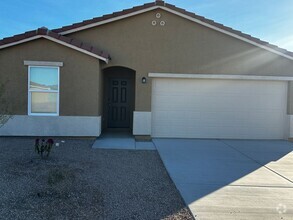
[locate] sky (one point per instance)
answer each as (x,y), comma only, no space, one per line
(269,20)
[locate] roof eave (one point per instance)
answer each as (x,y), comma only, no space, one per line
(107,20)
(56,41)
(228,33)
(76,48)
(168,8)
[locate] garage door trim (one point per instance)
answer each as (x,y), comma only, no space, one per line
(211,108)
(219,76)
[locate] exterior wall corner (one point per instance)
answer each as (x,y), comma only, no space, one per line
(142,123)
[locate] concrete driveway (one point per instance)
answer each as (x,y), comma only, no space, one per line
(232,179)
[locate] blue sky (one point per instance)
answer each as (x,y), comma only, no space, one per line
(270,20)
(44,76)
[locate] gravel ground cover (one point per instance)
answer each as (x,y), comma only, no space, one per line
(78,182)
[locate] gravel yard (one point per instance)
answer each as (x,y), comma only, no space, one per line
(78,182)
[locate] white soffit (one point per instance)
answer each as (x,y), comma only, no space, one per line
(219,76)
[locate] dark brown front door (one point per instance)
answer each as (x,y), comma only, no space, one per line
(119,103)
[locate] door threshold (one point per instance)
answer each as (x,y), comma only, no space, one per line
(117,134)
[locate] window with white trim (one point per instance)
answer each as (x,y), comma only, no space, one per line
(43,90)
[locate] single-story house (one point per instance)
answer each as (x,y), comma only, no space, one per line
(155,70)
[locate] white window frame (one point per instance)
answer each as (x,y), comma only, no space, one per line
(42,91)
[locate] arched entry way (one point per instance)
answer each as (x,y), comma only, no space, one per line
(119,96)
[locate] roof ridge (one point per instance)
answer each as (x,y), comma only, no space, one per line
(158,3)
(105,17)
(179,10)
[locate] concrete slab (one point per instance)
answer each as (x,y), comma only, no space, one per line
(144,145)
(276,155)
(213,162)
(219,182)
(122,141)
(238,202)
(209,149)
(114,143)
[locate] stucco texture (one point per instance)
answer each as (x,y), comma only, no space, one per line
(181,46)
(79,77)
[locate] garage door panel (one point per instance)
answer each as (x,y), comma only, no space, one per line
(165,102)
(172,119)
(219,108)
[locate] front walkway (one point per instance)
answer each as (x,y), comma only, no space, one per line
(232,179)
(122,141)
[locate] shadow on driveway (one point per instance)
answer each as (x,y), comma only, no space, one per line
(232,179)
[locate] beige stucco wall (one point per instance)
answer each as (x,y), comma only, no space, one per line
(181,46)
(79,77)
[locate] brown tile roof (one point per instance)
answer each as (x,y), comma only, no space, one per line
(57,33)
(108,16)
(174,8)
(51,34)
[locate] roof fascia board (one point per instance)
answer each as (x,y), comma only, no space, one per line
(57,41)
(219,76)
(109,20)
(181,15)
(21,41)
(76,48)
(226,32)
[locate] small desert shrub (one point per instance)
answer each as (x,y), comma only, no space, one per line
(4,106)
(44,146)
(56,176)
(61,181)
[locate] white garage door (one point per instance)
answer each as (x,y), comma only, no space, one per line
(204,108)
